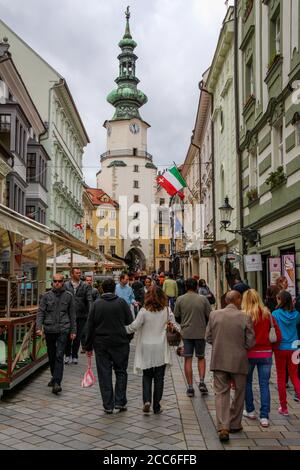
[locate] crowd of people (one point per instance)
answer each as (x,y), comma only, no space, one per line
(244,335)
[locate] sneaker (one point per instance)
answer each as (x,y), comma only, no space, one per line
(74,360)
(190,391)
(296,398)
(250,415)
(203,388)
(68,360)
(56,389)
(121,408)
(223,435)
(108,412)
(264,422)
(283,411)
(146,407)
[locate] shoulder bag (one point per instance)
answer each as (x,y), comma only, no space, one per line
(272,332)
(173,336)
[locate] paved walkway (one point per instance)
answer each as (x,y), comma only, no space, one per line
(31,417)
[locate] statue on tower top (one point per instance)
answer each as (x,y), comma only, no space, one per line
(127,13)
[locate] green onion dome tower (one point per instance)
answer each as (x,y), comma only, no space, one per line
(127,99)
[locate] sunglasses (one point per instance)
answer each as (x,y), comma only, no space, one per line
(57,281)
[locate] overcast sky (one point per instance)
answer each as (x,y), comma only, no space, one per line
(176,42)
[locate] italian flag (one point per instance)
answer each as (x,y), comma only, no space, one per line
(172,182)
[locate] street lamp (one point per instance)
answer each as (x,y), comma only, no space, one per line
(249,234)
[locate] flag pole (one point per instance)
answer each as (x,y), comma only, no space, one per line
(186,184)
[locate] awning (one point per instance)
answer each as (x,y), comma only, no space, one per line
(22,225)
(65,260)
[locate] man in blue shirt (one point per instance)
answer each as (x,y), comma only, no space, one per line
(124,291)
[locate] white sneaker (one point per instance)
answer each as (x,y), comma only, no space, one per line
(264,422)
(250,415)
(68,360)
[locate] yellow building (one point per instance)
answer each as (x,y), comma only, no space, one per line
(104,232)
(162,235)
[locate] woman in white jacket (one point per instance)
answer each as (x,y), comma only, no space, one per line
(152,352)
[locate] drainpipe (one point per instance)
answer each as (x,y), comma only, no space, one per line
(237,124)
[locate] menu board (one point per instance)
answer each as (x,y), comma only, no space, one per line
(274,270)
(289,271)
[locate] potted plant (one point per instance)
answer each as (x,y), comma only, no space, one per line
(276,178)
(252,194)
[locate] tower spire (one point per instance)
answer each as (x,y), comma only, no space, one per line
(127,99)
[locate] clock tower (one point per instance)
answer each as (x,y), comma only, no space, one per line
(127,169)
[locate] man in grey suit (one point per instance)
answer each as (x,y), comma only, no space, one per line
(231,333)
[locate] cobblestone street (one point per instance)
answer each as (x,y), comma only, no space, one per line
(31,417)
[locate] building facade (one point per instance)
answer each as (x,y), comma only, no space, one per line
(162,232)
(20,130)
(220,82)
(105,224)
(269,134)
(127,172)
(64,140)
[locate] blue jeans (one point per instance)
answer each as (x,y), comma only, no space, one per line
(264,366)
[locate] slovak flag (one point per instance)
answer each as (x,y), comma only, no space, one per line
(79,226)
(172,182)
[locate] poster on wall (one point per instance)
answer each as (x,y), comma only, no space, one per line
(289,271)
(253,263)
(274,270)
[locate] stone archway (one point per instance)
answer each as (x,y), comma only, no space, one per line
(136,260)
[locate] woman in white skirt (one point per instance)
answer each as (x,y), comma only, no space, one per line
(152,352)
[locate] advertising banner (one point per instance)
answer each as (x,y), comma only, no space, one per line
(289,271)
(274,270)
(253,263)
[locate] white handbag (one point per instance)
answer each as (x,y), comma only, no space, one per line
(272,332)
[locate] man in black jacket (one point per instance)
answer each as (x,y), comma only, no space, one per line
(57,314)
(106,334)
(82,293)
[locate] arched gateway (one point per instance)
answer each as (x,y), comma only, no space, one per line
(136,260)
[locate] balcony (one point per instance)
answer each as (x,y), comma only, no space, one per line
(126,153)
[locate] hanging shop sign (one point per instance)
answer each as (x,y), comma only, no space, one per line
(253,263)
(207,252)
(231,257)
(274,270)
(289,271)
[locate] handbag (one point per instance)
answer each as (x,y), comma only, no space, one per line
(173,336)
(272,332)
(89,378)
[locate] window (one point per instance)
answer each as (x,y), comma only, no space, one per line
(112,215)
(162,249)
(5,122)
(280,145)
(112,232)
(162,231)
(135,152)
(136,198)
(31,212)
(249,85)
(275,36)
(162,201)
(136,229)
(17,135)
(101,249)
(31,167)
(102,213)
(136,168)
(113,249)
(136,184)
(101,232)
(253,170)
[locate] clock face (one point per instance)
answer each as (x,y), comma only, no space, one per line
(134,128)
(108,131)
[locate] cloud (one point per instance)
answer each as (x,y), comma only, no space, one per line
(176,41)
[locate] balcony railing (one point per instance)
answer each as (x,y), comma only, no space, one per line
(126,153)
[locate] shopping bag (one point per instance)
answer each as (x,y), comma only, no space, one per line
(89,378)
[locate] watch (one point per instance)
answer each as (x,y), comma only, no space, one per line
(134,128)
